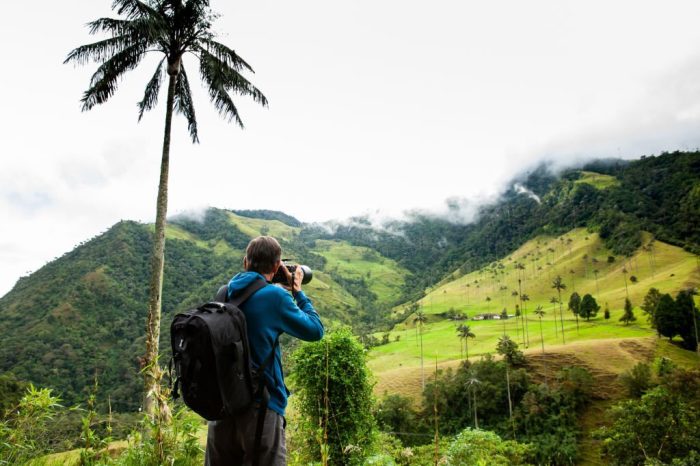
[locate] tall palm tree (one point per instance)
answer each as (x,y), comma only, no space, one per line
(172,29)
(472,383)
(553,300)
(519,267)
(525,298)
(540,313)
(465,333)
(559,285)
(461,345)
(597,289)
(419,320)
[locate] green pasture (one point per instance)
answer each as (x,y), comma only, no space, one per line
(256,227)
(327,294)
(597,180)
(573,256)
(440,336)
(383,276)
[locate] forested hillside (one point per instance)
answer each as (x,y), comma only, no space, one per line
(84,313)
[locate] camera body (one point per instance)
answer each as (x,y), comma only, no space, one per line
(281,277)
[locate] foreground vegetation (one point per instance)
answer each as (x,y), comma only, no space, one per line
(487,411)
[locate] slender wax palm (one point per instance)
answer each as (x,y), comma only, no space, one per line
(559,285)
(465,332)
(420,319)
(172,29)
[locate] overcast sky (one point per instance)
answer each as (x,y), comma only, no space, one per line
(375,106)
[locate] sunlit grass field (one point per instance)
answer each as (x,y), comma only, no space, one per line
(384,277)
(579,257)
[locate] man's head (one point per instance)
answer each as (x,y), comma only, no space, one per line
(263,255)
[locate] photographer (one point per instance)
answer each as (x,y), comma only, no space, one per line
(269,312)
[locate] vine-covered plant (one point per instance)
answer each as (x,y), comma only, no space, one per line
(333,384)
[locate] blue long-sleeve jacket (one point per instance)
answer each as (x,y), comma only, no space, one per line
(270,312)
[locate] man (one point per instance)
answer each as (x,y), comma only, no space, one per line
(269,312)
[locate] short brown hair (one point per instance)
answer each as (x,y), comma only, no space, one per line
(263,253)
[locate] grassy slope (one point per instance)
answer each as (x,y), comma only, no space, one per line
(597,180)
(673,269)
(384,277)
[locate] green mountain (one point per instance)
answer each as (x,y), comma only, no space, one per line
(84,313)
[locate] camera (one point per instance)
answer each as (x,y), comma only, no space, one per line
(281,277)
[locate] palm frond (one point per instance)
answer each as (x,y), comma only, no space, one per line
(133,8)
(221,77)
(150,96)
(104,82)
(114,26)
(226,55)
(99,51)
(184,103)
(222,102)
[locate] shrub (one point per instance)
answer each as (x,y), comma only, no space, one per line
(23,433)
(335,398)
(395,413)
(481,447)
(175,443)
(637,380)
(660,427)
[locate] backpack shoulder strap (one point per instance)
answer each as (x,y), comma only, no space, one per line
(222,294)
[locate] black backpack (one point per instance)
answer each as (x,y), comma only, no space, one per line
(211,358)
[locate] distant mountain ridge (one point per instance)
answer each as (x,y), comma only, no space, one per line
(84,313)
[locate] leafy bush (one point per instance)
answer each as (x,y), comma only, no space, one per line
(637,380)
(23,433)
(396,414)
(660,427)
(546,418)
(335,398)
(480,447)
(508,348)
(175,443)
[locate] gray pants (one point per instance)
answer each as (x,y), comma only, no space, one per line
(231,442)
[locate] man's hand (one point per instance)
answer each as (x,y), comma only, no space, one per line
(298,277)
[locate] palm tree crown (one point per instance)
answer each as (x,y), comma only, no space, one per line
(172,28)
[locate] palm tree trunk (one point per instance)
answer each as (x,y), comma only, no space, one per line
(527,328)
(561,320)
(476,418)
(543,358)
(510,403)
(155,287)
(422,373)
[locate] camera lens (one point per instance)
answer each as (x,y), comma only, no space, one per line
(308,274)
